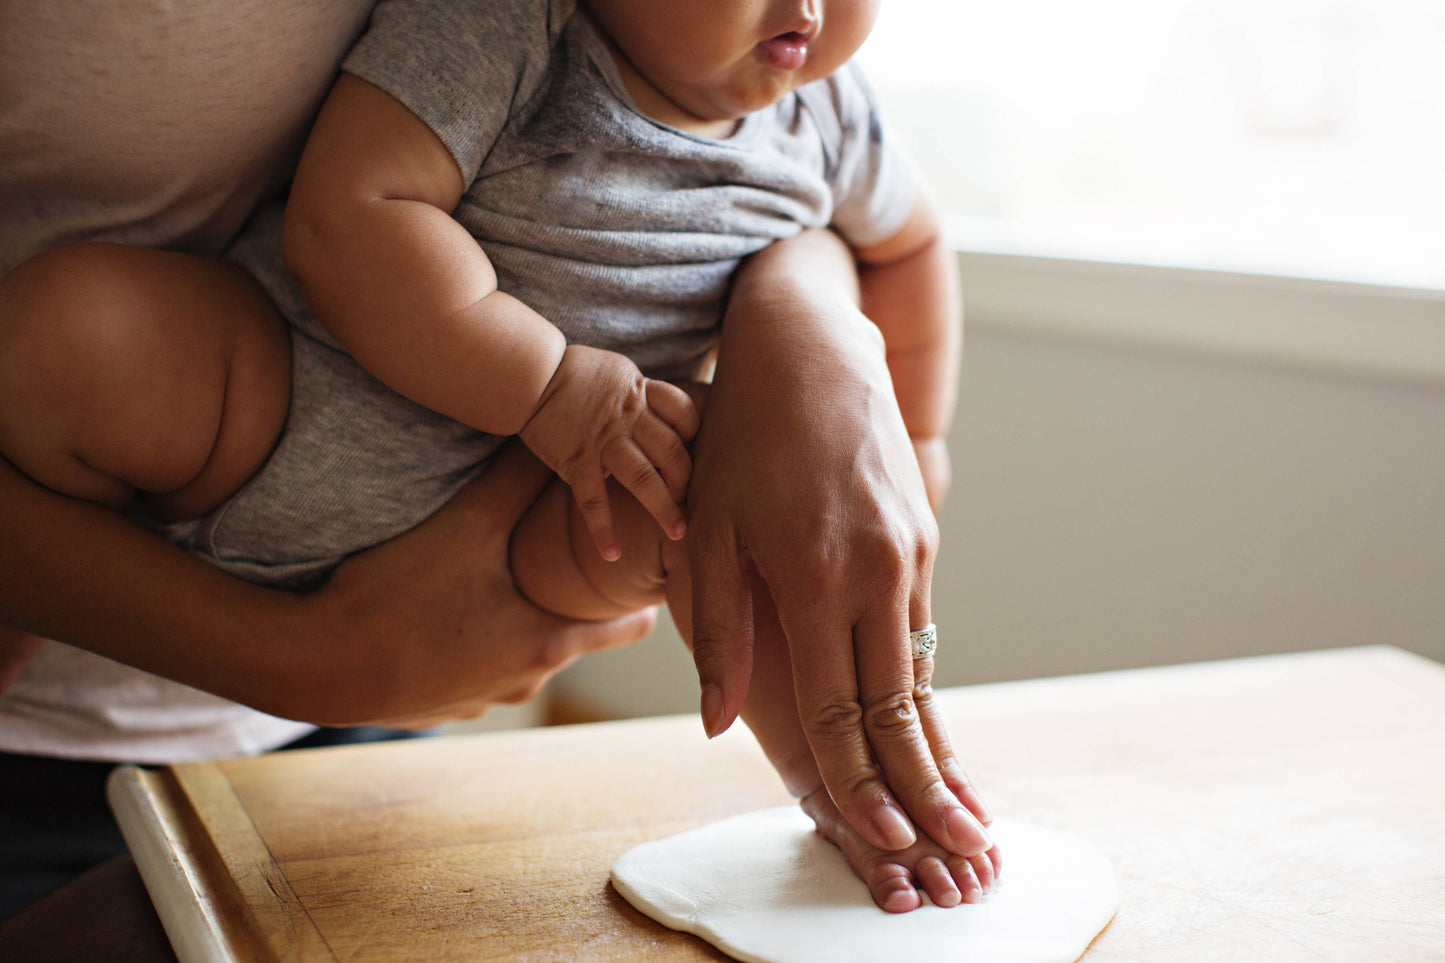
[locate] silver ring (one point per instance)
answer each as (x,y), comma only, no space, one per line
(924,641)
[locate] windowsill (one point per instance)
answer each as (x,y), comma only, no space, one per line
(1186,300)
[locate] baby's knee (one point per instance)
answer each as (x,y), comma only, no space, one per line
(65,279)
(66,328)
(557,567)
(640,577)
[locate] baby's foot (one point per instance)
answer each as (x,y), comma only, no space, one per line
(895,878)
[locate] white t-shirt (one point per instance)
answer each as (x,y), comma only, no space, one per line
(159,124)
(153,122)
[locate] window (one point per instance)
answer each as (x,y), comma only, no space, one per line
(1294,137)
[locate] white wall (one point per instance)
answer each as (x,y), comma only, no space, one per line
(1126,499)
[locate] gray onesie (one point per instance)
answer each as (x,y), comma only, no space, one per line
(621,231)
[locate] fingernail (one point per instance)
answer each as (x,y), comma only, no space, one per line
(712,710)
(966,794)
(965,832)
(679,530)
(979,809)
(893,827)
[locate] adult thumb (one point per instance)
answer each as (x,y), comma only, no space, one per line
(722,630)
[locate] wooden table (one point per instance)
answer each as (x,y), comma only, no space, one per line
(1278,808)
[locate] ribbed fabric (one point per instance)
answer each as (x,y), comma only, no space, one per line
(622,232)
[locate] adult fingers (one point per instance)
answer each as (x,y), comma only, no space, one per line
(987,866)
(889,882)
(722,628)
(832,715)
(891,877)
(528,673)
(576,639)
(897,738)
(931,718)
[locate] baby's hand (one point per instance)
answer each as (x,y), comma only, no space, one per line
(599,416)
(894,878)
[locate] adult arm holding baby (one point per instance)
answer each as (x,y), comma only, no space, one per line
(848,562)
(370,235)
(809,496)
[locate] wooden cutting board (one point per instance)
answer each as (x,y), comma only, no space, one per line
(1279,808)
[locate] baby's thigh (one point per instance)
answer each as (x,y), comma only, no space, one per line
(128,369)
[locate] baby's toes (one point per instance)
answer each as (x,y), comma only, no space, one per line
(995,862)
(891,886)
(983,868)
(935,879)
(966,879)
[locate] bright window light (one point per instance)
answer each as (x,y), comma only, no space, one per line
(1295,137)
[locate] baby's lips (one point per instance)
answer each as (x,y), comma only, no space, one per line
(786,51)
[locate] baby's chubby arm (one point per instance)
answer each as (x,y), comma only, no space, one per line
(370,237)
(910,290)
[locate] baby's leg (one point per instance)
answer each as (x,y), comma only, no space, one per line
(126,370)
(557,566)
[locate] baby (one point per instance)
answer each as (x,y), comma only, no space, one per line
(513,217)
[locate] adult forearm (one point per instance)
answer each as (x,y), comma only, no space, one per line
(805,475)
(424,627)
(81,574)
(812,276)
(793,318)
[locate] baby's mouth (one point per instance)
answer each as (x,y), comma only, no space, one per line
(786,51)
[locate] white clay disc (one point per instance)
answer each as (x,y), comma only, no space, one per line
(765,888)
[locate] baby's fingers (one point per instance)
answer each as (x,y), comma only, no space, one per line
(673,406)
(634,471)
(590,493)
(665,451)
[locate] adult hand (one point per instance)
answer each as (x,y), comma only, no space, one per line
(894,879)
(804,472)
(434,628)
(423,628)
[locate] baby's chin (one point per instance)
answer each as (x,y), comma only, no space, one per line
(758,95)
(755,89)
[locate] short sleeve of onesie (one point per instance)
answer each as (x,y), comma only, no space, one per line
(462,66)
(869,173)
